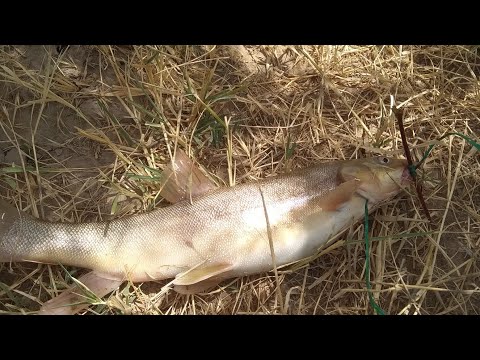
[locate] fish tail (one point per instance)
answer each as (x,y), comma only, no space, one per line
(10,217)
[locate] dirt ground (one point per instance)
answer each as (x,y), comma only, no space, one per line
(82,127)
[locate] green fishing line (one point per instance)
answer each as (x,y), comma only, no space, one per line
(412,169)
(373,304)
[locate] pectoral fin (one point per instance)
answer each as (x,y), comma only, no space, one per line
(334,200)
(201,274)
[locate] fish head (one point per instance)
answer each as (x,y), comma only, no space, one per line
(379,178)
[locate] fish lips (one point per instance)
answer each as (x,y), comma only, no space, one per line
(406,176)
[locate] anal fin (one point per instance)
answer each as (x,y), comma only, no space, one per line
(71,300)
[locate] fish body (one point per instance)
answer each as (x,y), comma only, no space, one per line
(220,234)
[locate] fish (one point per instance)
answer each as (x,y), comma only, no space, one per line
(208,234)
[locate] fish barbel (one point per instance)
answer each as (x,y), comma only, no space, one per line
(216,235)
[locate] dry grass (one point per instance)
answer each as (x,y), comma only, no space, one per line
(94,123)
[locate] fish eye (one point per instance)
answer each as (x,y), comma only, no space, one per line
(383,159)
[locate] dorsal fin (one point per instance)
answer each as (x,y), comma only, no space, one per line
(183,179)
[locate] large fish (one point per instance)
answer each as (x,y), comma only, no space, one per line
(218,234)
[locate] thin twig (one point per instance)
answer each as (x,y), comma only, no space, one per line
(411,167)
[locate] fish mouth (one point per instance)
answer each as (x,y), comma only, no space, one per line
(406,177)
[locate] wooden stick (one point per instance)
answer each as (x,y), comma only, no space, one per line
(408,155)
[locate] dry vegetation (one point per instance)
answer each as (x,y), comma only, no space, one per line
(83,130)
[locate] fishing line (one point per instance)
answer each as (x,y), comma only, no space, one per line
(373,304)
(412,168)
